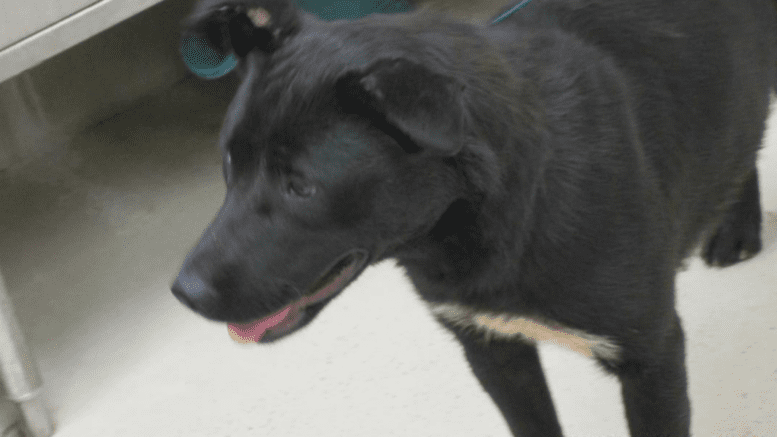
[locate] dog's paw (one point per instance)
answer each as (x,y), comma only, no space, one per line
(738,238)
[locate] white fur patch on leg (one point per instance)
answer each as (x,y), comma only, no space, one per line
(533,329)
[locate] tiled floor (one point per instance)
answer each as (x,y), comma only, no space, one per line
(90,241)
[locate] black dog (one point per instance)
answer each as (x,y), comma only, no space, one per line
(540,179)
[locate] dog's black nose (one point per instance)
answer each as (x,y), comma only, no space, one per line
(189,289)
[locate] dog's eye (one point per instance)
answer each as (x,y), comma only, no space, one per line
(299,187)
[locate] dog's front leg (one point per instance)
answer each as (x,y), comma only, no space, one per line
(510,372)
(654,387)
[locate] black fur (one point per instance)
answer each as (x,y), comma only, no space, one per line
(227,28)
(560,164)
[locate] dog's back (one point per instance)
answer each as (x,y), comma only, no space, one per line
(697,82)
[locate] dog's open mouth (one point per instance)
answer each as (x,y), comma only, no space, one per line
(287,319)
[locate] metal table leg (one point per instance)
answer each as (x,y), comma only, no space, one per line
(19,372)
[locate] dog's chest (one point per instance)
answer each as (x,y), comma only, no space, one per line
(522,328)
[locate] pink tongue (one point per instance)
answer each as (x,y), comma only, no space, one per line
(253,331)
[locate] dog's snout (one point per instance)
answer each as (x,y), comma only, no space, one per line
(189,289)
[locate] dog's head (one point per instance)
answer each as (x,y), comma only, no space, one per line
(347,143)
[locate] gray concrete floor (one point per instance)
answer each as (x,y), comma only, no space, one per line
(91,239)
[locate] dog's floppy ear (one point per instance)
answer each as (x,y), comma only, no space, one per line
(420,105)
(241,26)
